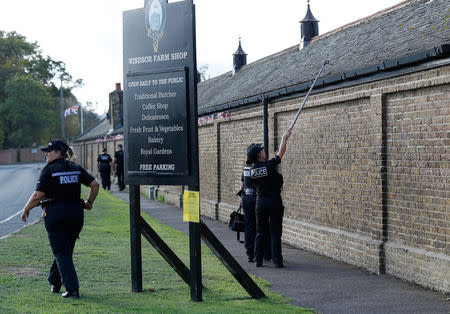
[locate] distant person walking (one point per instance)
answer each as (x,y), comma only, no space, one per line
(118,164)
(104,167)
(59,189)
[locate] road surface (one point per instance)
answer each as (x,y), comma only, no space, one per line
(17,182)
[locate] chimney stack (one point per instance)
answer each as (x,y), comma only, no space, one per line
(309,28)
(118,86)
(239,58)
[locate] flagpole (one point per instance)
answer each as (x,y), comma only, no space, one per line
(81,117)
(61,102)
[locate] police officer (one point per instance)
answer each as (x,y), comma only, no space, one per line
(269,206)
(248,201)
(248,193)
(59,189)
(104,167)
(118,166)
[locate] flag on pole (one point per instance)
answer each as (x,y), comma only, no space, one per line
(71,110)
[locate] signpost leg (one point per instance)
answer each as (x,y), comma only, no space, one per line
(165,251)
(195,257)
(135,237)
(196,262)
(230,263)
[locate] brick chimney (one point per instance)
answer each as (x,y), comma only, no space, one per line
(115,112)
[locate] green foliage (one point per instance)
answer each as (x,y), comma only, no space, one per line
(26,112)
(161,198)
(29,100)
(102,260)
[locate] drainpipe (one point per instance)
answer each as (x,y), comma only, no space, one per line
(266,124)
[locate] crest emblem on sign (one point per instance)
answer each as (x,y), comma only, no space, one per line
(155,20)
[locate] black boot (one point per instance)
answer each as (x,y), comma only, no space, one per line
(54,288)
(71,294)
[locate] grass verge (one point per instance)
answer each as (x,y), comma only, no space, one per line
(102,260)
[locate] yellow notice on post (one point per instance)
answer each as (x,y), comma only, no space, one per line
(191,208)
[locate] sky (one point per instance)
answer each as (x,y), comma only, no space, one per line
(87,34)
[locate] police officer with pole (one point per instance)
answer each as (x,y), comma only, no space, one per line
(104,167)
(248,202)
(269,206)
(58,191)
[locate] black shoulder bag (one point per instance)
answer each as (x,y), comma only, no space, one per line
(237,221)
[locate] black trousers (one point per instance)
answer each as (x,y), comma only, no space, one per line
(269,212)
(120,177)
(248,204)
(105,174)
(63,222)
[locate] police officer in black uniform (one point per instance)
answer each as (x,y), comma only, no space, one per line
(104,167)
(118,166)
(248,201)
(58,191)
(248,193)
(269,206)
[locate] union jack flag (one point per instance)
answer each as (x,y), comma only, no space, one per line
(71,110)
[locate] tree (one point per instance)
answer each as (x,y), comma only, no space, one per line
(26,112)
(23,66)
(17,56)
(203,70)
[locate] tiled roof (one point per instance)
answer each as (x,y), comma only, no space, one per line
(402,30)
(97,131)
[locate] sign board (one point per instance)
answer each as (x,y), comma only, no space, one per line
(160,106)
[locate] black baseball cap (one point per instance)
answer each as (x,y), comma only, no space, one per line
(253,151)
(55,145)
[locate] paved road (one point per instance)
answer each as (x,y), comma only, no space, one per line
(315,281)
(17,182)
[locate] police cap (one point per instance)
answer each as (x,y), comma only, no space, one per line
(253,151)
(56,144)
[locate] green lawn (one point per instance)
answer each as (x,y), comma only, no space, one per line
(102,260)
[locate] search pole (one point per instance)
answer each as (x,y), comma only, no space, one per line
(307,95)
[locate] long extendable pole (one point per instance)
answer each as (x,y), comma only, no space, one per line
(307,95)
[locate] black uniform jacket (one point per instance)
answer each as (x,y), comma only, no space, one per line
(119,156)
(104,159)
(61,180)
(265,176)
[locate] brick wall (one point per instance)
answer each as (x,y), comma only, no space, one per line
(11,156)
(367,173)
(418,203)
(208,170)
(8,156)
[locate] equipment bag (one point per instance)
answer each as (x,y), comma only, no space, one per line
(237,221)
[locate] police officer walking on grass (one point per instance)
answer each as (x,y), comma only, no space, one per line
(269,206)
(58,191)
